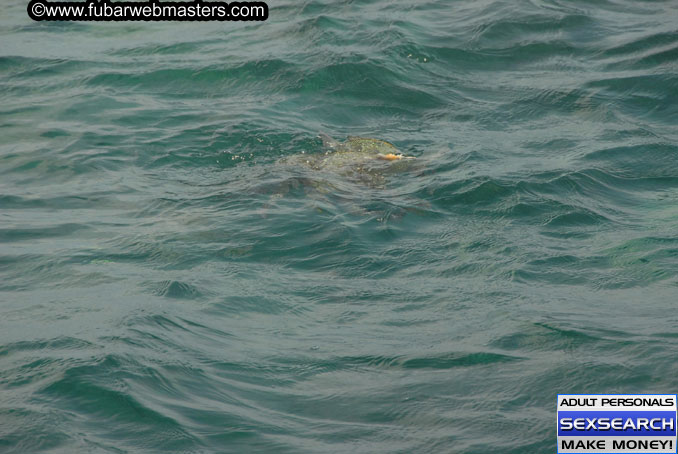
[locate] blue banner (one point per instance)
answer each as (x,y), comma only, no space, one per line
(617,423)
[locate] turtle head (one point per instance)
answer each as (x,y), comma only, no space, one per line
(393,156)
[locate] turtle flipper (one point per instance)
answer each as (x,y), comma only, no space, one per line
(328,142)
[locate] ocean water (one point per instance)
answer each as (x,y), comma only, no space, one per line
(169,285)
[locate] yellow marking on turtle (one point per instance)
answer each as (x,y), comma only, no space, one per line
(389,156)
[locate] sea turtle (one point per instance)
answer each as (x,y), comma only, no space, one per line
(360,149)
(360,159)
(322,176)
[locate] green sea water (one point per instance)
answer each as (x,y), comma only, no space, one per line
(169,283)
